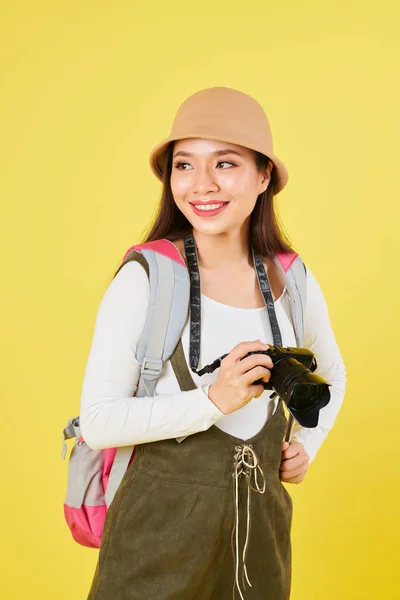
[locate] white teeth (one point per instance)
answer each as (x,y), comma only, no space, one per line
(208,206)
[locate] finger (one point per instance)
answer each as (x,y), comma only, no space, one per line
(294,449)
(286,475)
(256,391)
(297,479)
(293,478)
(255,360)
(292,465)
(298,459)
(242,349)
(300,456)
(255,374)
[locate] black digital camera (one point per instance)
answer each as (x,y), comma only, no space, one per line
(293,380)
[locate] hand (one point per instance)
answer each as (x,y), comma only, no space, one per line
(294,463)
(235,384)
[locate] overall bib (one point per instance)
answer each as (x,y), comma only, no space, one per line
(189,521)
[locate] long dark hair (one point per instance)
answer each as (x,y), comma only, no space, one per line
(267,235)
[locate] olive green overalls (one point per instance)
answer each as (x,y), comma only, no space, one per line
(178,527)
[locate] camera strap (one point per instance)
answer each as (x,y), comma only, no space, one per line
(195,305)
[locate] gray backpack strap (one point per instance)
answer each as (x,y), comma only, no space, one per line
(163,279)
(117,472)
(296,285)
(166,316)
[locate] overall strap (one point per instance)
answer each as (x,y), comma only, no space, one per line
(181,370)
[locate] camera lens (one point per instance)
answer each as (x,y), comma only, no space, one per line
(304,396)
(301,390)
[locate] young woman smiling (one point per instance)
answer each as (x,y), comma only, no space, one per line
(174,530)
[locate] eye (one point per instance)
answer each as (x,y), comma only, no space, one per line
(179,164)
(221,162)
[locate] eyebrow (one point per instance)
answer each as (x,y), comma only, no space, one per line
(215,152)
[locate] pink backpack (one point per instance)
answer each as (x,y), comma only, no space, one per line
(94,475)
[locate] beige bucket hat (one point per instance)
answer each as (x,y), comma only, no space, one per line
(224,114)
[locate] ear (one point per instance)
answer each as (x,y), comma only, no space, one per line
(266,176)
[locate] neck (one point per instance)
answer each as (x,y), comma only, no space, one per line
(224,252)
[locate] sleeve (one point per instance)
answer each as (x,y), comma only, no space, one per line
(110,414)
(320,339)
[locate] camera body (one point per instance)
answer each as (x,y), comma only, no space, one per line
(277,354)
(294,381)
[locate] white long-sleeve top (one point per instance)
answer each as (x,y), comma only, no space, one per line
(110,414)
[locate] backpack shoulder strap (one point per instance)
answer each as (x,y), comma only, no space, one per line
(295,276)
(168,307)
(166,316)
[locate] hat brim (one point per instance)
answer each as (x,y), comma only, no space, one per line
(157,155)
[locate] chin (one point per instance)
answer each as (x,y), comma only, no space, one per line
(210,228)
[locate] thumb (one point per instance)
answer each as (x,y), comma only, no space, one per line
(285,445)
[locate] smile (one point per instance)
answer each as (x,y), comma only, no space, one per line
(209,210)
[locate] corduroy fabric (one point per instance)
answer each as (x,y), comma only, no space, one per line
(167,534)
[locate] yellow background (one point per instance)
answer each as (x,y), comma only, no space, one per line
(86,90)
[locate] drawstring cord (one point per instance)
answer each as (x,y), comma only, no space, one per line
(246,463)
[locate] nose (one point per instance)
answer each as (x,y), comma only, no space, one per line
(204,181)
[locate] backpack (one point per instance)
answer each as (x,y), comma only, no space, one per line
(95,475)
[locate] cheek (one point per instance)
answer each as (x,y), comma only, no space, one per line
(239,187)
(180,186)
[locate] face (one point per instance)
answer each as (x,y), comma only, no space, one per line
(216,184)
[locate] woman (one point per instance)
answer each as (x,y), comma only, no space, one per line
(175,530)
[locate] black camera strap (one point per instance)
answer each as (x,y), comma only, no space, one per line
(195,305)
(265,288)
